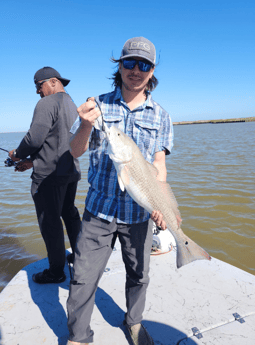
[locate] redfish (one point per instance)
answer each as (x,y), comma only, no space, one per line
(139,178)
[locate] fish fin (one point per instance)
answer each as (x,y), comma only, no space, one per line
(124,177)
(121,184)
(152,168)
(188,250)
(168,194)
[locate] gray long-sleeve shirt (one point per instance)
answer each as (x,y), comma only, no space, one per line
(47,141)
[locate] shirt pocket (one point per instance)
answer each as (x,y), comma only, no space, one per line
(113,120)
(146,134)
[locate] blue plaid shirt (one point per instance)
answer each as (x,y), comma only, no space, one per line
(150,127)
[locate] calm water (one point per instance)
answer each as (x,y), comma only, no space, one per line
(211,171)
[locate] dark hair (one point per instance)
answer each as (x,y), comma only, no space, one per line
(117,81)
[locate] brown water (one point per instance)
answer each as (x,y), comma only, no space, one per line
(211,171)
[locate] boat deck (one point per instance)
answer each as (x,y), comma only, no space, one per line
(203,294)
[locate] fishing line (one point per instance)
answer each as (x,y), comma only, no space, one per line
(103,126)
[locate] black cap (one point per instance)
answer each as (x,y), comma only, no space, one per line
(47,73)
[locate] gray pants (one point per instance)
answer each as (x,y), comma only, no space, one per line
(94,247)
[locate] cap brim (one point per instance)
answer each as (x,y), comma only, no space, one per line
(64,81)
(137,55)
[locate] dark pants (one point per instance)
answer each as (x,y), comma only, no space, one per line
(94,247)
(54,200)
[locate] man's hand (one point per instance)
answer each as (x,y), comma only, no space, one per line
(24,165)
(88,112)
(157,218)
(12,156)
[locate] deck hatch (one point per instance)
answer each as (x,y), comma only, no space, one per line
(197,333)
(238,318)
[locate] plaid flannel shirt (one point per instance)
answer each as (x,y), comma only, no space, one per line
(150,126)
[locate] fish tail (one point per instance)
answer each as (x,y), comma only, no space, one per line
(188,251)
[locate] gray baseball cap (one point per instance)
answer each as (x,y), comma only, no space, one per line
(139,46)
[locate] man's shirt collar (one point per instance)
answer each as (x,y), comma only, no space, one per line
(118,97)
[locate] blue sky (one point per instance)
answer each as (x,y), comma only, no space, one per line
(206,49)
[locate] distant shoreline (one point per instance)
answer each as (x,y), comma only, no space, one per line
(241,119)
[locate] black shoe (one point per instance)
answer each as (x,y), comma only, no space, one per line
(46,277)
(70,258)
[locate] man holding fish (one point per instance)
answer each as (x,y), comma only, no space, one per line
(110,211)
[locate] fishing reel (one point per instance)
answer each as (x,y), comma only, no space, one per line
(21,165)
(10,163)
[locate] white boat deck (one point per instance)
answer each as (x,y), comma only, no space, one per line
(202,294)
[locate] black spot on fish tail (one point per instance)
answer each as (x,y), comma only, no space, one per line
(188,251)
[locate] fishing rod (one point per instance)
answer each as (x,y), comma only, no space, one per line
(4,150)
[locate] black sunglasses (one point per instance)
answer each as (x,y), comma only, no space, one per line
(144,66)
(39,84)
